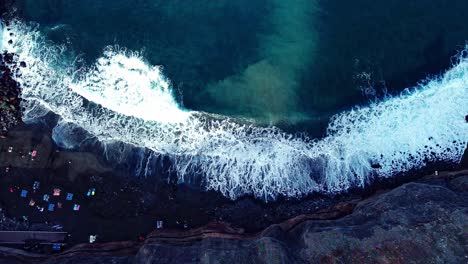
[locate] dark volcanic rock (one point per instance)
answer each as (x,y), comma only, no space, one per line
(459,184)
(416,222)
(423,222)
(10,110)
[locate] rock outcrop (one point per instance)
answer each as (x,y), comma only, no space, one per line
(419,222)
(10,111)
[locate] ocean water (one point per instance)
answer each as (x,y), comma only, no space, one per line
(234,93)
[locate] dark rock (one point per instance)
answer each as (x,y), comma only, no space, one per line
(416,222)
(10,112)
(23,64)
(376,166)
(459,184)
(466,118)
(10,41)
(8,57)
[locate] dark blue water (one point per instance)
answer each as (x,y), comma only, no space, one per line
(292,64)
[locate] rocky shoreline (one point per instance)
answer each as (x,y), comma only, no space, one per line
(10,110)
(418,222)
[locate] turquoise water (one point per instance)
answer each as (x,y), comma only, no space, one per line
(293,63)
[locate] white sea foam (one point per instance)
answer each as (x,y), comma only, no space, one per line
(1,35)
(127,85)
(135,106)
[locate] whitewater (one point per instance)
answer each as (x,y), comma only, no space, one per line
(124,99)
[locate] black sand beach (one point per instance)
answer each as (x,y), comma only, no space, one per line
(125,207)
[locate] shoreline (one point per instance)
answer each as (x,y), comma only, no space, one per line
(139,202)
(122,201)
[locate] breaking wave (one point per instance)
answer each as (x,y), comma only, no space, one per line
(121,98)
